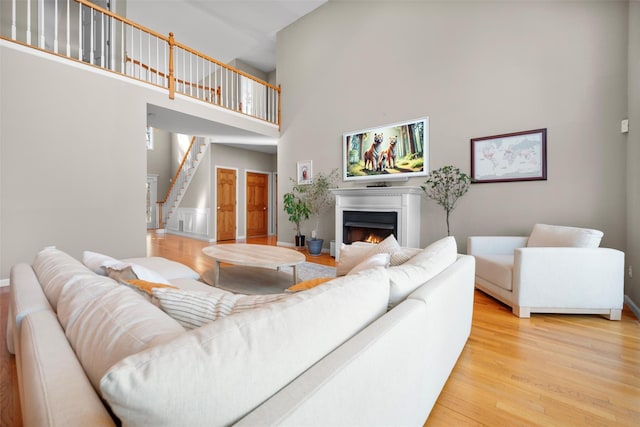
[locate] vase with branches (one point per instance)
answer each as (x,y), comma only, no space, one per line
(318,194)
(318,198)
(445,186)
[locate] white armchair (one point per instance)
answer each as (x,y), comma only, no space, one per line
(556,269)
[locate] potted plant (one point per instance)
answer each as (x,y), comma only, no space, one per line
(445,186)
(319,199)
(298,211)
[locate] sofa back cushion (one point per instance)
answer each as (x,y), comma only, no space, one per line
(215,374)
(406,278)
(54,268)
(105,322)
(544,235)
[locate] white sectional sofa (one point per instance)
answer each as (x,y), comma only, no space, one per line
(91,351)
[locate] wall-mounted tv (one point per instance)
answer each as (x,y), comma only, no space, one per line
(387,153)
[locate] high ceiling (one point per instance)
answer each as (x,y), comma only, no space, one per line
(224,30)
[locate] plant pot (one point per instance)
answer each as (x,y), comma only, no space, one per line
(315,246)
(300,241)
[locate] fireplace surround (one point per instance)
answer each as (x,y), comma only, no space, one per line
(376,202)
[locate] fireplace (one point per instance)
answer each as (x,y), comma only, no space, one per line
(365,226)
(375,203)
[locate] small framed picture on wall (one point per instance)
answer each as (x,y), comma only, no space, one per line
(305,172)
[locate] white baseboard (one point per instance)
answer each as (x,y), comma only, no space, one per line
(632,305)
(286,244)
(190,235)
(4,282)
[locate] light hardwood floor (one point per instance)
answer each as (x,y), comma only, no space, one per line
(561,370)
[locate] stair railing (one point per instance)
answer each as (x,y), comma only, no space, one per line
(81,31)
(180,181)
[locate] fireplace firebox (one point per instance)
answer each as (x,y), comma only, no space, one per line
(373,227)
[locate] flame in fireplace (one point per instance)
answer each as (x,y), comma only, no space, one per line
(372,238)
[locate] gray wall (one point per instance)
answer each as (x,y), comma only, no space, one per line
(632,288)
(476,69)
(73,155)
(159,160)
(69,164)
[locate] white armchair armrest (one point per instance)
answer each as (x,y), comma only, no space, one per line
(574,278)
(494,245)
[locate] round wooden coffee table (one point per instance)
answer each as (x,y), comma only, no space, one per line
(264,256)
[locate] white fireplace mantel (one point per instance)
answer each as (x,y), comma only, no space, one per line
(404,200)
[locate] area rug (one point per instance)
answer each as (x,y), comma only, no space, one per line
(254,280)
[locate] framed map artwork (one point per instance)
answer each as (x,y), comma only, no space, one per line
(518,156)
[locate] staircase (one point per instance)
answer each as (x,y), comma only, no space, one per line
(181,180)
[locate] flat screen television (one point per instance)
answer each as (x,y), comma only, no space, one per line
(397,151)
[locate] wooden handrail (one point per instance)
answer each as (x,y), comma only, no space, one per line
(175,177)
(173,182)
(164,75)
(228,67)
(212,94)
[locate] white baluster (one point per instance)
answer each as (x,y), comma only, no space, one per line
(55,27)
(29,22)
(92,42)
(123,57)
(80,38)
(41,36)
(103,42)
(68,30)
(14,29)
(140,54)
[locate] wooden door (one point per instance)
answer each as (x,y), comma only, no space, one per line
(226,208)
(257,204)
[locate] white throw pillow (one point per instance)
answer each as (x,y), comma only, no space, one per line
(377,260)
(358,252)
(403,255)
(432,260)
(544,235)
(94,261)
(350,256)
(388,246)
(141,272)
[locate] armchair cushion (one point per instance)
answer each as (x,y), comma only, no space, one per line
(497,269)
(544,235)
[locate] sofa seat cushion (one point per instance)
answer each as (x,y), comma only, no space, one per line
(153,269)
(497,269)
(105,322)
(216,374)
(544,235)
(165,267)
(430,261)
